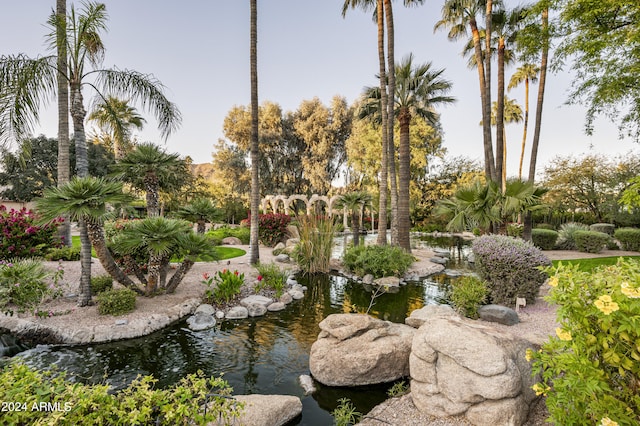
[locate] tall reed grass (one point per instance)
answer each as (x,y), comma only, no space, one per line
(313,253)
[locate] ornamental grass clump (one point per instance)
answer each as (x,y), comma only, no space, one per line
(313,252)
(510,267)
(566,237)
(22,284)
(590,371)
(379,261)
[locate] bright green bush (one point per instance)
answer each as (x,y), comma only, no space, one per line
(101,283)
(223,286)
(566,239)
(241,232)
(63,253)
(140,403)
(509,266)
(116,302)
(590,372)
(467,294)
(544,239)
(379,261)
(22,284)
(590,241)
(271,277)
(607,228)
(629,238)
(545,226)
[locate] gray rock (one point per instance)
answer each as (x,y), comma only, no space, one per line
(292,232)
(266,410)
(291,242)
(201,321)
(233,241)
(367,279)
(256,298)
(355,349)
(219,315)
(499,314)
(387,281)
(282,258)
(295,294)
(471,258)
(276,306)
(286,298)
(205,308)
(306,382)
(237,312)
(439,260)
(291,281)
(439,252)
(256,309)
(279,246)
(122,322)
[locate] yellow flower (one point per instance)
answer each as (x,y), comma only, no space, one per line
(553,281)
(606,305)
(528,355)
(563,335)
(631,292)
(540,389)
(608,422)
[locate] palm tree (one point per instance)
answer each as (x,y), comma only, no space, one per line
(354,202)
(26,84)
(85,199)
(525,73)
(456,16)
(254,255)
(200,211)
(149,168)
(116,118)
(419,90)
(512,114)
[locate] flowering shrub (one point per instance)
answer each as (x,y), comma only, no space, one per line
(21,237)
(510,268)
(22,284)
(272,228)
(223,286)
(591,371)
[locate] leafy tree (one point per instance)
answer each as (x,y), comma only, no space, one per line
(601,40)
(201,211)
(149,168)
(117,118)
(591,183)
(230,181)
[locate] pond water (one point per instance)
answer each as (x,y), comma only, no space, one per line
(264,355)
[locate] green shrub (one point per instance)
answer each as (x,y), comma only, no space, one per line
(515,230)
(467,294)
(509,266)
(272,228)
(241,232)
(63,253)
(566,239)
(590,241)
(379,261)
(141,403)
(22,284)
(545,226)
(590,372)
(607,228)
(313,252)
(116,302)
(101,283)
(271,277)
(544,239)
(223,286)
(345,413)
(629,238)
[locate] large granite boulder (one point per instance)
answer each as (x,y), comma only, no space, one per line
(232,241)
(461,367)
(356,349)
(266,410)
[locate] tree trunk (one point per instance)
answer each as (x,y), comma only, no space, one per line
(64,167)
(254,257)
(404,220)
(391,120)
(501,149)
(382,217)
(96,236)
(202,225)
(155,266)
(487,80)
(179,275)
(355,227)
(526,124)
(152,189)
(84,294)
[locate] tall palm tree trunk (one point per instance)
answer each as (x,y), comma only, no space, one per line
(84,298)
(63,110)
(526,124)
(384,164)
(404,117)
(501,149)
(487,85)
(489,164)
(254,256)
(355,227)
(152,196)
(391,120)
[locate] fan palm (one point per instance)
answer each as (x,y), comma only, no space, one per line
(354,202)
(117,118)
(199,211)
(525,73)
(149,168)
(85,199)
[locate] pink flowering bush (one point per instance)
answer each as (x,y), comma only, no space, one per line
(20,237)
(510,267)
(590,371)
(272,228)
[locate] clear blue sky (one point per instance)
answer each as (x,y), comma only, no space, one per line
(200,51)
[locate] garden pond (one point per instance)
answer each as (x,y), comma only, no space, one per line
(263,355)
